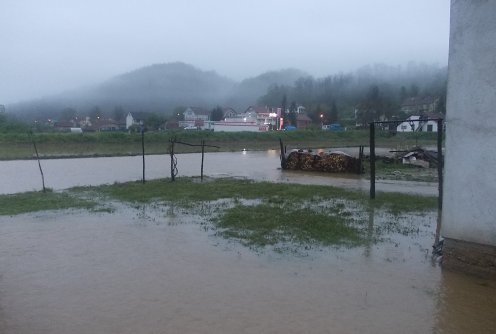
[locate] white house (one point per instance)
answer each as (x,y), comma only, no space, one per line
(428,123)
(196,114)
(410,125)
(136,118)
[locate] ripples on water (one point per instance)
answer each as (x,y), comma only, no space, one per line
(156,270)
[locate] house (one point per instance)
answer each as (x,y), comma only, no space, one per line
(300,109)
(303,121)
(135,118)
(420,105)
(228,112)
(431,124)
(64,125)
(410,125)
(265,115)
(425,123)
(196,114)
(196,117)
(103,125)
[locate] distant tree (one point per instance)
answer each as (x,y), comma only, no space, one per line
(441,106)
(333,117)
(95,113)
(414,90)
(12,125)
(403,94)
(292,114)
(179,113)
(67,114)
(217,114)
(321,113)
(284,103)
(118,114)
(154,121)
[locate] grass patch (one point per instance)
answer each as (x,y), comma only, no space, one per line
(54,144)
(404,203)
(188,191)
(39,201)
(263,225)
(258,214)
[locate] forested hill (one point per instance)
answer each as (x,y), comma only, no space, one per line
(163,88)
(159,88)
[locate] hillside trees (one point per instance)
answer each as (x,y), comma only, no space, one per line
(217,114)
(374,91)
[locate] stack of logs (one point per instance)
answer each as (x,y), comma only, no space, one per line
(323,162)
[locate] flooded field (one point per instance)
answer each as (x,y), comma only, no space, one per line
(23,175)
(152,269)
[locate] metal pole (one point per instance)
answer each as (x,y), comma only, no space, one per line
(440,165)
(143,150)
(372,160)
(440,162)
(39,164)
(203,155)
(172,159)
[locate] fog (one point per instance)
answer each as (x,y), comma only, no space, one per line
(55,45)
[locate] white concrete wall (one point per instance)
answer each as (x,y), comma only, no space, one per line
(469,206)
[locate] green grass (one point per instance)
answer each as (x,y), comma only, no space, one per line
(188,191)
(39,201)
(403,203)
(263,225)
(258,214)
(53,144)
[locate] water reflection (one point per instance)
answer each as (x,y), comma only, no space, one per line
(23,175)
(128,273)
(370,236)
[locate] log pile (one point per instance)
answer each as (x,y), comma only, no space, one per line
(334,162)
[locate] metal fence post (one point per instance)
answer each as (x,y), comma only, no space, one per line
(372,160)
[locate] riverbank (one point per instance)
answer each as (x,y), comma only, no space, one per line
(67,145)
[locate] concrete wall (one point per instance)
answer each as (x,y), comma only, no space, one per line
(469,206)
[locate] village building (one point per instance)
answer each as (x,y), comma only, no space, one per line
(419,105)
(420,123)
(135,119)
(195,117)
(468,216)
(303,121)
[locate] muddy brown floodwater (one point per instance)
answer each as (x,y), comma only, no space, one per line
(142,270)
(23,175)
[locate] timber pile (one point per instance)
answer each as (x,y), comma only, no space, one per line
(334,162)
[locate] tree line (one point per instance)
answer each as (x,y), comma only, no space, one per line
(374,91)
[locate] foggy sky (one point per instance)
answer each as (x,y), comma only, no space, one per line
(50,46)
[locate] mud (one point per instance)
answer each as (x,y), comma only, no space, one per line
(163,270)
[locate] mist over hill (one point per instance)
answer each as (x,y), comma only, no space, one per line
(158,88)
(163,88)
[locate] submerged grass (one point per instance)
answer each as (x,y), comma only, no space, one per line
(264,224)
(188,191)
(257,214)
(39,201)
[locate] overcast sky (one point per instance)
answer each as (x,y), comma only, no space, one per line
(48,46)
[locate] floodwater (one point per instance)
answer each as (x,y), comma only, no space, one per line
(24,175)
(144,271)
